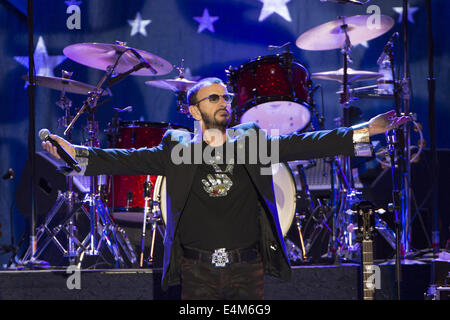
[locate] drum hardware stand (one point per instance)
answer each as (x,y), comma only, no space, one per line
(298,222)
(69,198)
(66,104)
(307,208)
(153,217)
(147,205)
(287,61)
(311,103)
(101,223)
(321,224)
(348,194)
(181,95)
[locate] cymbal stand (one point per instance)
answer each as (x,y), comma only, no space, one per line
(69,195)
(147,206)
(308,207)
(101,223)
(69,198)
(348,196)
(181,95)
(156,220)
(345,98)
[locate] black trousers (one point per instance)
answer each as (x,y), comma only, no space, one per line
(236,281)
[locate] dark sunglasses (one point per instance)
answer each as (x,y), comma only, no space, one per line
(214,98)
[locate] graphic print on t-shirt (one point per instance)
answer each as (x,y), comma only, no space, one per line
(219,184)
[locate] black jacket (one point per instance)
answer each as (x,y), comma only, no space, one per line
(179,177)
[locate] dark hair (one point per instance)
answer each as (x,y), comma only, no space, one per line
(192,93)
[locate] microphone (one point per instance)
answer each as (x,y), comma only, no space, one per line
(345,1)
(121,76)
(44,134)
(387,48)
(145,63)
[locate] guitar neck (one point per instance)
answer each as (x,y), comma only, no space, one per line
(367,263)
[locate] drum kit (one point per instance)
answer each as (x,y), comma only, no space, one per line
(275,91)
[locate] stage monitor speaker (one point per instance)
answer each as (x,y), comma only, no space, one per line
(49,182)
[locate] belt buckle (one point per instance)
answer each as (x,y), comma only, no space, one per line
(220,258)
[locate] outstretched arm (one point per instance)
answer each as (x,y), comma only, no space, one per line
(96,161)
(385,122)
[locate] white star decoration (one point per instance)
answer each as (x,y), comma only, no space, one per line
(411,10)
(44,63)
(138,25)
(274,6)
(206,21)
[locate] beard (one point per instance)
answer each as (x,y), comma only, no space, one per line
(213,122)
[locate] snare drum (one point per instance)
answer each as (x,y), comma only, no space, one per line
(126,192)
(272,91)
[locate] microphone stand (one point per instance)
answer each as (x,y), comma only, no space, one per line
(434,203)
(32,262)
(406,135)
(396,150)
(432,127)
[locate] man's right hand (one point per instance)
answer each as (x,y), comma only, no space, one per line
(63,143)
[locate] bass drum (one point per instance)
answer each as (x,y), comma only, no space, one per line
(285,196)
(272,91)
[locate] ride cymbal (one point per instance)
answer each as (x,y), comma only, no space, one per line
(103,55)
(330,35)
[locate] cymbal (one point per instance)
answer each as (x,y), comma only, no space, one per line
(68,85)
(353,75)
(178,84)
(330,35)
(102,55)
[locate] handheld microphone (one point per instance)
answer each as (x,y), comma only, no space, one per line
(344,1)
(387,48)
(44,134)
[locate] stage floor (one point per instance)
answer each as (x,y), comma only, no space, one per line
(336,282)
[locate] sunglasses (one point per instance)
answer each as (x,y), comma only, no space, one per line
(214,98)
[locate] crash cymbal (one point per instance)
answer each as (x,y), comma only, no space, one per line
(178,84)
(68,85)
(330,35)
(353,75)
(102,55)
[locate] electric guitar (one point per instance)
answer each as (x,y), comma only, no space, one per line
(366,225)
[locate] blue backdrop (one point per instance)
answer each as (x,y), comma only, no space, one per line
(210,35)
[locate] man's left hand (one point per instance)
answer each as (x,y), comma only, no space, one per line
(385,122)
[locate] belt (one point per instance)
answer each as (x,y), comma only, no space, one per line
(222,257)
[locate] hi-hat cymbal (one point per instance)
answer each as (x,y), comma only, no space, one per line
(353,75)
(330,35)
(178,84)
(102,55)
(68,85)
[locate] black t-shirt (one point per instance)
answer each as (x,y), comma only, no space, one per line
(221,210)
